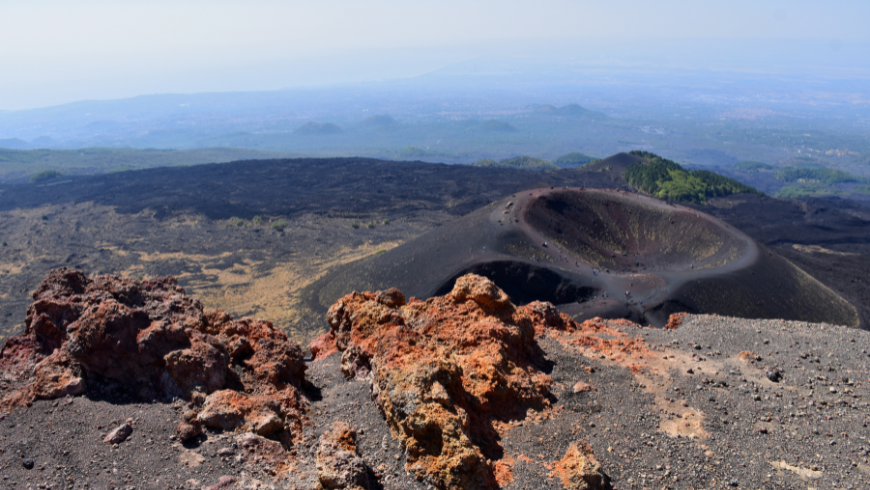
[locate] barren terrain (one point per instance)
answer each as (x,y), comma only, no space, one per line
(180,221)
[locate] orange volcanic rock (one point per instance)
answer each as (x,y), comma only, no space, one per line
(154,339)
(674,321)
(580,470)
(339,466)
(444,371)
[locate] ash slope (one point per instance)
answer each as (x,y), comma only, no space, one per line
(598,253)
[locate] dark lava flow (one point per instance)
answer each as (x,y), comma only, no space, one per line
(598,253)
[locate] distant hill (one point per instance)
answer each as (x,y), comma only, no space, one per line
(523,162)
(14,144)
(666,179)
(378,121)
(574,159)
(570,110)
(22,165)
(313,128)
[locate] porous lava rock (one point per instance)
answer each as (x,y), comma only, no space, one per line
(339,466)
(445,371)
(159,344)
(580,470)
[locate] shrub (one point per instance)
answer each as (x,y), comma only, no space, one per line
(257,220)
(354,225)
(279,225)
(370,225)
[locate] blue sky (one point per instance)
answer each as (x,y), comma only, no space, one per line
(60,51)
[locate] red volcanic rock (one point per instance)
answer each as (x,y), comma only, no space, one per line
(443,372)
(546,316)
(580,470)
(152,338)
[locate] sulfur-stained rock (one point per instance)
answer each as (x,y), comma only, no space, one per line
(339,466)
(154,339)
(443,371)
(580,470)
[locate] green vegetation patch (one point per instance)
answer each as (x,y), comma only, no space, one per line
(279,225)
(827,176)
(574,159)
(523,162)
(45,175)
(666,179)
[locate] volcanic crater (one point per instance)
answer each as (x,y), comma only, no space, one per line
(595,252)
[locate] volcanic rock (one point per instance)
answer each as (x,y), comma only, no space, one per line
(443,371)
(580,470)
(339,466)
(261,453)
(581,387)
(153,339)
(189,427)
(119,434)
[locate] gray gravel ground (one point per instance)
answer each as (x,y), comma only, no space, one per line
(806,430)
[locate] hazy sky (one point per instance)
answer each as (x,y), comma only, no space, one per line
(54,51)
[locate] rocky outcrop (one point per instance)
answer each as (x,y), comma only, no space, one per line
(444,371)
(339,466)
(159,344)
(580,470)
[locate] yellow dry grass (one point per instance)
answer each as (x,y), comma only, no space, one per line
(819,249)
(247,289)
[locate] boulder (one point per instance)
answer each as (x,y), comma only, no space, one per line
(339,465)
(580,470)
(158,343)
(444,371)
